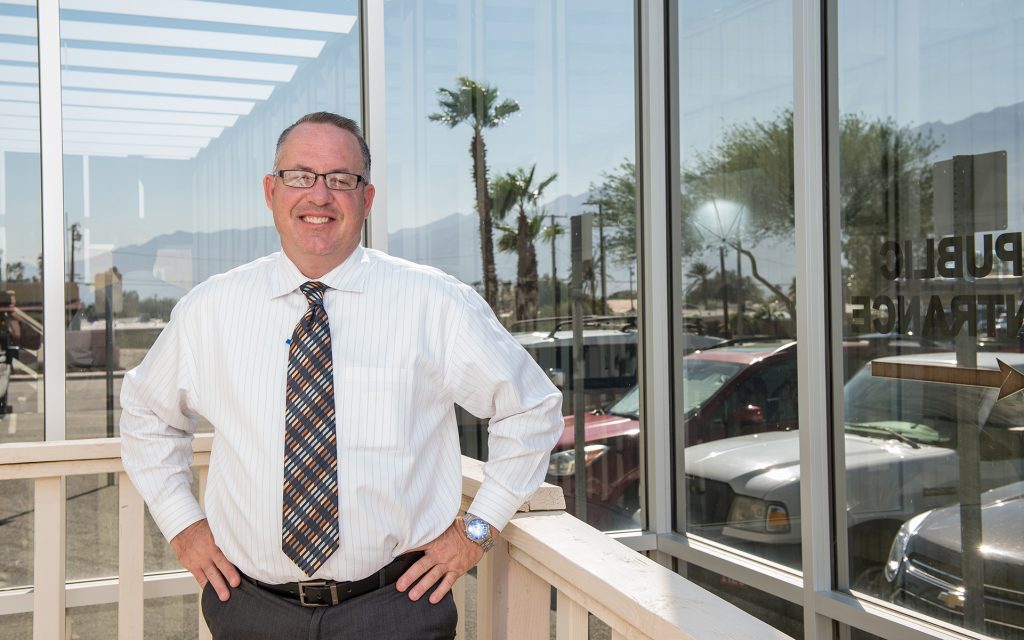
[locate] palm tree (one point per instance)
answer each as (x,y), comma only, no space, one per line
(550,235)
(701,271)
(516,190)
(477,104)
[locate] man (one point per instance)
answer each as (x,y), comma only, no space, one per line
(329,373)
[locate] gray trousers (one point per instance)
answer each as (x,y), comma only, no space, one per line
(253,613)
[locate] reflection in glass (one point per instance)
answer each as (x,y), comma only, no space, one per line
(503,127)
(781,614)
(740,485)
(930,185)
(21,244)
(170,119)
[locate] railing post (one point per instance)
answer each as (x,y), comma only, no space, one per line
(512,602)
(571,619)
(130,559)
(491,590)
(528,609)
(48,617)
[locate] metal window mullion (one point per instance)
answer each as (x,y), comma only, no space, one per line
(813,295)
(654,237)
(374,115)
(52,168)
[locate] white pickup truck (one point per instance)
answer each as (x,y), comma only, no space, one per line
(901,459)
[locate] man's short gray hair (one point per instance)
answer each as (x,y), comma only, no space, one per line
(326,117)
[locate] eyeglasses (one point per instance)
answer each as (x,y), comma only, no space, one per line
(338,181)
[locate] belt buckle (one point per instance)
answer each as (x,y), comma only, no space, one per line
(317,583)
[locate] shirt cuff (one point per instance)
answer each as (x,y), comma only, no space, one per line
(494,504)
(177,513)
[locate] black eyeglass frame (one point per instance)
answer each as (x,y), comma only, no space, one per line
(280,174)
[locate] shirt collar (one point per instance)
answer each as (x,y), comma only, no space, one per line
(350,275)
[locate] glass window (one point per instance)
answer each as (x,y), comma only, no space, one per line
(170,117)
(170,121)
(506,118)
(21,290)
(738,269)
(21,240)
(781,614)
(930,188)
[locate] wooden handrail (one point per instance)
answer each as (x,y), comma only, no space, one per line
(542,547)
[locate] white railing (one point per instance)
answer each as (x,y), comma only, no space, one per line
(542,547)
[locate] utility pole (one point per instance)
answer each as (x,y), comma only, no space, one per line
(600,245)
(76,236)
(604,271)
(632,296)
(556,299)
(740,304)
(725,294)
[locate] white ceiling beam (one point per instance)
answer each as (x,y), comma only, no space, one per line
(156,103)
(159,84)
(23,75)
(189,38)
(219,12)
(9,108)
(72,112)
(156,62)
(135,139)
(169,37)
(174,64)
(98,149)
(98,126)
(141,83)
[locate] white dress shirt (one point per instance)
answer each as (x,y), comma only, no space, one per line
(408,342)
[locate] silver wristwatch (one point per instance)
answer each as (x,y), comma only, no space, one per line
(478,530)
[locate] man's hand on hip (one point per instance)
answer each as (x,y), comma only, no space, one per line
(446,558)
(197,552)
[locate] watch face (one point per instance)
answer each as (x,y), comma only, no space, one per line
(477,530)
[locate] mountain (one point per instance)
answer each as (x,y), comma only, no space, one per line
(169,265)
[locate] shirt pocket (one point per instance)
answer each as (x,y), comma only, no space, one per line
(373,409)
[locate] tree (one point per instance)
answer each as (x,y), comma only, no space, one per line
(701,271)
(477,104)
(617,195)
(880,163)
(550,235)
(16,272)
(517,190)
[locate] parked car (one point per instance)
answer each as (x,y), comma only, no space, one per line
(925,563)
(610,357)
(744,386)
(901,458)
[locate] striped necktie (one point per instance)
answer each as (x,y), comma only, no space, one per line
(309,530)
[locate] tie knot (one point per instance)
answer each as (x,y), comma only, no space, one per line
(314,292)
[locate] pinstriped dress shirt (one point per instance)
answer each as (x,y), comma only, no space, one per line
(408,342)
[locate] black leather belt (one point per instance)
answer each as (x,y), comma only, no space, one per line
(325,593)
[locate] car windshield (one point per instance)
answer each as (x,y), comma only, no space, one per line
(702,378)
(628,406)
(922,412)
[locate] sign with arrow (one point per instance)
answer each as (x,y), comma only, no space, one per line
(1007,379)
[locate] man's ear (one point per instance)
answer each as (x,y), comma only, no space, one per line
(269,182)
(368,193)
